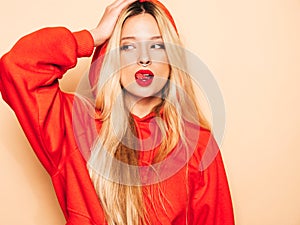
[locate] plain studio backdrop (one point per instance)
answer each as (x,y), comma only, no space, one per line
(253,50)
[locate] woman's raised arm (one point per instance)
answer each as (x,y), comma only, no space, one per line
(29,75)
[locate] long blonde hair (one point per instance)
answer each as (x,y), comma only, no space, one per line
(113,164)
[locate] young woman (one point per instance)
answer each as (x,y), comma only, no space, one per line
(133,154)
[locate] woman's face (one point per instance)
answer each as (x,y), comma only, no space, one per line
(145,68)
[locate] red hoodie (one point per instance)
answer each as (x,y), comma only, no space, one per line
(29,84)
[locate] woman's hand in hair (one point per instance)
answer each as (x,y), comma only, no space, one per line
(107,23)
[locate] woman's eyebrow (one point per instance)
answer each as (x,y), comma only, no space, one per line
(135,38)
(156,37)
(127,38)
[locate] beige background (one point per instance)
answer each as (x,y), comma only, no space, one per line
(253,50)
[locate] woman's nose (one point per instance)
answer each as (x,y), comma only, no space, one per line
(144,63)
(144,58)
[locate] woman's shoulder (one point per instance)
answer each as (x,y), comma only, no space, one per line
(202,142)
(197,132)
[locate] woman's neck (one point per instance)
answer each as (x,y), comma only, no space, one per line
(141,106)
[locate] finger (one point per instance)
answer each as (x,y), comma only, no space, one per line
(127,2)
(116,3)
(121,4)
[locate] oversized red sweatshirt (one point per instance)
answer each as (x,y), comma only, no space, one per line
(29,84)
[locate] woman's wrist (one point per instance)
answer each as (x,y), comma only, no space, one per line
(98,40)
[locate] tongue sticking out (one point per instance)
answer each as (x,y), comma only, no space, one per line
(143,76)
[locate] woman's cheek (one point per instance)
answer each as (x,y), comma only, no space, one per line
(128,59)
(127,76)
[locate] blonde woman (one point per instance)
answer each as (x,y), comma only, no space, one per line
(132,154)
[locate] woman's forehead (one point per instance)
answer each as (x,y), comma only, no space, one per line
(140,27)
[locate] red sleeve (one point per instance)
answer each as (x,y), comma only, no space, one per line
(29,76)
(210,200)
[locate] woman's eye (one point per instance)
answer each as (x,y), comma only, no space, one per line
(127,47)
(158,46)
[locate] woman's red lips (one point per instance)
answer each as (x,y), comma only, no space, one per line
(144,77)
